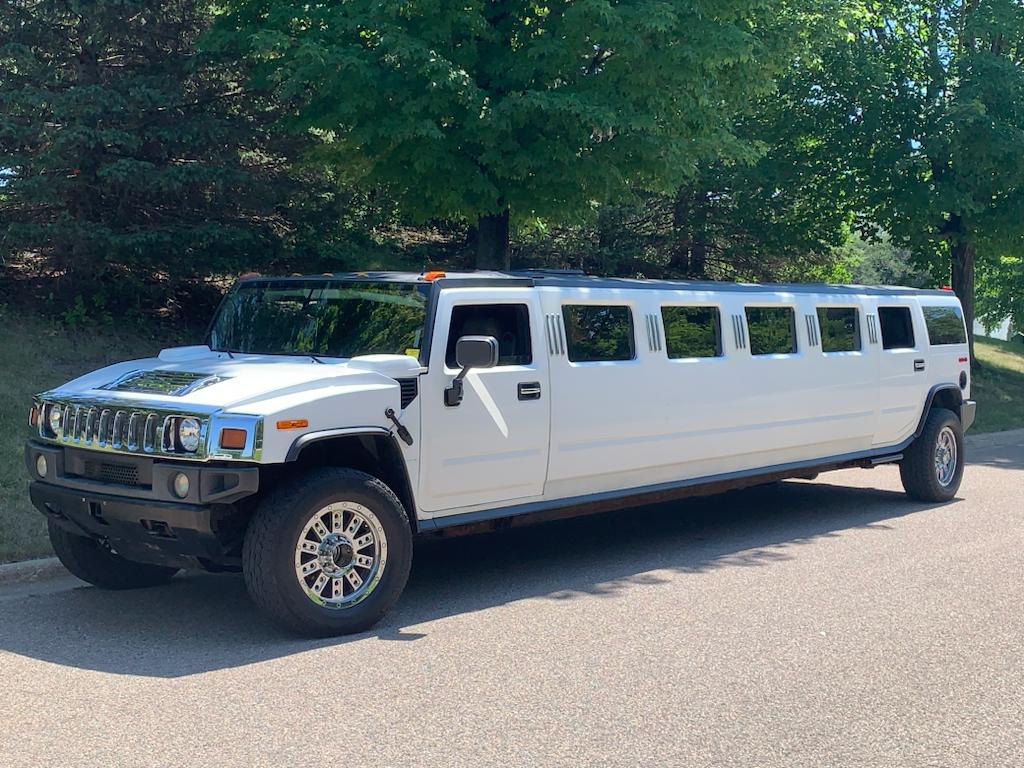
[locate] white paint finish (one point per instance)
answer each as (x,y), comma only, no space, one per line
(492,448)
(597,426)
(614,418)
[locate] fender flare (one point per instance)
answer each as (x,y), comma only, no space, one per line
(303,441)
(399,481)
(932,393)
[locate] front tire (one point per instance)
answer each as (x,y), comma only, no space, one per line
(329,553)
(933,465)
(93,562)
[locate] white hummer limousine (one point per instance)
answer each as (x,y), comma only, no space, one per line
(328,421)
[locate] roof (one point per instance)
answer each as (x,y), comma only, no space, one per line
(577,279)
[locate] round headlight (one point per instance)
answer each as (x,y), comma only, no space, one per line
(188,434)
(53,416)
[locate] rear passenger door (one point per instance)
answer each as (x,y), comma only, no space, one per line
(493,446)
(902,375)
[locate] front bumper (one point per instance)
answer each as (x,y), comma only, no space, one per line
(144,520)
(146,531)
(968,409)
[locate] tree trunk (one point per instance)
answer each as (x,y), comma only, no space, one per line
(962,274)
(492,241)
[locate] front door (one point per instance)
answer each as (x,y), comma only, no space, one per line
(493,446)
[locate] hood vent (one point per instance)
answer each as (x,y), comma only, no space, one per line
(173,383)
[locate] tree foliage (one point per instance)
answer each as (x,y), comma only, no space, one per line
(485,108)
(933,93)
(128,155)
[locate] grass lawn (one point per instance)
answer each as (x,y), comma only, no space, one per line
(35,356)
(999,385)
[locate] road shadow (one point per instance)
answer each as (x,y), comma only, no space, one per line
(206,622)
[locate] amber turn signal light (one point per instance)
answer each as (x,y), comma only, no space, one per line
(293,424)
(33,417)
(233,439)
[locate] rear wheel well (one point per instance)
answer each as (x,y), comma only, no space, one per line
(376,455)
(949,398)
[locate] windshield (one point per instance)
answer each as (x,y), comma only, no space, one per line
(332,318)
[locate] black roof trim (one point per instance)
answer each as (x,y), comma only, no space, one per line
(576,279)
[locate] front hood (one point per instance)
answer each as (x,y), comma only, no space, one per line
(196,379)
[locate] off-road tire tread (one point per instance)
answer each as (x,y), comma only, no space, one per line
(87,559)
(917,470)
(263,532)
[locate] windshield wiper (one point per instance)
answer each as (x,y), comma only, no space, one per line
(315,359)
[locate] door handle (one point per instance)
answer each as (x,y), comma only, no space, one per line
(919,365)
(529,390)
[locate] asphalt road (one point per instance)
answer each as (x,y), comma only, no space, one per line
(832,623)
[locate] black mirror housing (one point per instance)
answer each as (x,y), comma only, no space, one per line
(470,352)
(476,352)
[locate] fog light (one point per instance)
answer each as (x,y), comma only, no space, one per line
(41,465)
(181,485)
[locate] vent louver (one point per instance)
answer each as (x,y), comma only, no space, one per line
(410,388)
(173,383)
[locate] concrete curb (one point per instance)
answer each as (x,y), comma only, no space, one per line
(31,570)
(986,439)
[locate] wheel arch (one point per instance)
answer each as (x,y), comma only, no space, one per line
(940,396)
(373,451)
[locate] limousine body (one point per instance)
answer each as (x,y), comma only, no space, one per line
(328,421)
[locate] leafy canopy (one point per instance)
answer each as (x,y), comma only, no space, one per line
(463,110)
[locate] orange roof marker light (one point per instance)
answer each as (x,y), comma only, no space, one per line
(293,424)
(433,275)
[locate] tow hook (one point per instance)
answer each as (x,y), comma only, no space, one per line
(403,433)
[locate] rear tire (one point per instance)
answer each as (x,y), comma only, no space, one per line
(328,553)
(93,562)
(933,465)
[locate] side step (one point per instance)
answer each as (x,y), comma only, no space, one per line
(876,460)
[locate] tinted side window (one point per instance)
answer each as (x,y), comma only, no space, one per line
(897,327)
(598,332)
(772,330)
(945,325)
(692,331)
(840,329)
(508,323)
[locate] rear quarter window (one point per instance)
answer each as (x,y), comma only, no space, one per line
(945,325)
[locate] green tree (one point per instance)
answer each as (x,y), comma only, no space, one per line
(128,156)
(512,111)
(934,97)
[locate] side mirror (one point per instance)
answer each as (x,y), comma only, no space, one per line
(470,352)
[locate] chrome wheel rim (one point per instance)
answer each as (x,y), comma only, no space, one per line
(340,555)
(945,457)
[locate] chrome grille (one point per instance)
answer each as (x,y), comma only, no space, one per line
(127,430)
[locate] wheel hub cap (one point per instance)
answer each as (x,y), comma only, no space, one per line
(945,457)
(340,554)
(335,555)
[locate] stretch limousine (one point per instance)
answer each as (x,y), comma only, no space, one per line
(326,421)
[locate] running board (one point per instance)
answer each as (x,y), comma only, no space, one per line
(887,459)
